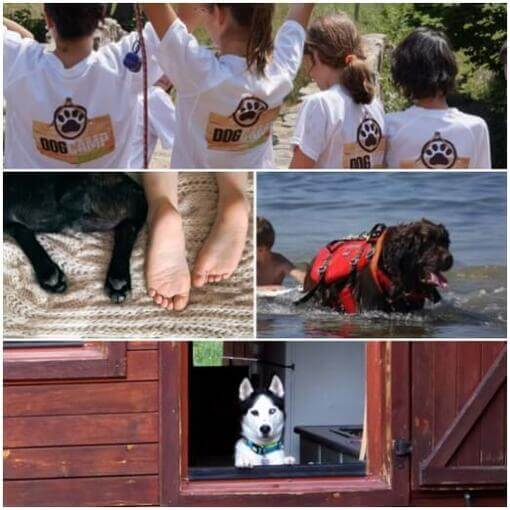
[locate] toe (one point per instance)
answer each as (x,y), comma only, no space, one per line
(199,279)
(165,302)
(170,305)
(180,302)
(158,299)
(152,293)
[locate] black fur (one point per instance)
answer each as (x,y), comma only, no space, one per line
(39,202)
(247,404)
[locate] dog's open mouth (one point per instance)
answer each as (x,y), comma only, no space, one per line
(436,279)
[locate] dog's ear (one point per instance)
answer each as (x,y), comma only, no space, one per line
(276,386)
(245,389)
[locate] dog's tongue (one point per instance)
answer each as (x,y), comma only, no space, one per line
(438,280)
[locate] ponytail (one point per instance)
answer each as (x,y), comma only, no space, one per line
(358,79)
(258,19)
(337,43)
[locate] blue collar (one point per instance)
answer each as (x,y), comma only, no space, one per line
(263,449)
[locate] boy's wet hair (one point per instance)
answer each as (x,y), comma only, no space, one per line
(337,43)
(257,19)
(75,20)
(423,65)
(265,233)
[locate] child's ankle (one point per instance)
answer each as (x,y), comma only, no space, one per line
(234,201)
(159,207)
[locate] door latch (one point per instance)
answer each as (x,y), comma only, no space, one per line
(402,447)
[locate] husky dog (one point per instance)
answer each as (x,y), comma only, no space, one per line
(262,423)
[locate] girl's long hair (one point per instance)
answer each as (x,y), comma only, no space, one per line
(257,19)
(337,42)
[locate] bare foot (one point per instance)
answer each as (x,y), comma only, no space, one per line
(166,268)
(220,255)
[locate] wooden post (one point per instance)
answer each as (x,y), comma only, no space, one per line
(356,12)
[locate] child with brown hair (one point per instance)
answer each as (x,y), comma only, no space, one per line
(342,126)
(272,268)
(227,101)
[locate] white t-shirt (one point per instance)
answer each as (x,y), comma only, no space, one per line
(336,132)
(225,111)
(84,116)
(425,138)
(161,125)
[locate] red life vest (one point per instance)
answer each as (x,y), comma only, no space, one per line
(338,260)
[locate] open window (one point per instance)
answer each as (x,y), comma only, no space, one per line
(35,360)
(324,406)
(325,388)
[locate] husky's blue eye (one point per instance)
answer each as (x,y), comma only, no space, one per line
(272,410)
(255,413)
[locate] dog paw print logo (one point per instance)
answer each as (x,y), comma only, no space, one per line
(70,120)
(438,153)
(249,111)
(369,134)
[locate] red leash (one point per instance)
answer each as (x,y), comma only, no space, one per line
(139,28)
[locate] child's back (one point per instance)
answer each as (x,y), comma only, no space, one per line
(336,132)
(226,104)
(436,138)
(224,111)
(430,134)
(84,115)
(343,125)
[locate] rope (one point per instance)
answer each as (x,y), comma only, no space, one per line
(139,28)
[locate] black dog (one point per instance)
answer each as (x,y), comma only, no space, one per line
(394,269)
(39,202)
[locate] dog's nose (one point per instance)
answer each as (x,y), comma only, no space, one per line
(265,429)
(447,262)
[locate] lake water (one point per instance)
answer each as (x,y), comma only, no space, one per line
(309,209)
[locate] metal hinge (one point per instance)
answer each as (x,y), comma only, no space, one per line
(402,447)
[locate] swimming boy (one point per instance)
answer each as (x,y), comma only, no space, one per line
(272,267)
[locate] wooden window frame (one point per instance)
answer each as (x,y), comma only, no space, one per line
(92,360)
(386,482)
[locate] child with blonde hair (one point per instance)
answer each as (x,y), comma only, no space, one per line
(342,126)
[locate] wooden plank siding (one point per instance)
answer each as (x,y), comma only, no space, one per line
(85,442)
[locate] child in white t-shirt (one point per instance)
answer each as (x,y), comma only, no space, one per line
(429,134)
(161,122)
(228,101)
(71,107)
(343,125)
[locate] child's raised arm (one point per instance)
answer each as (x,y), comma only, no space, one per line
(16,27)
(300,13)
(162,17)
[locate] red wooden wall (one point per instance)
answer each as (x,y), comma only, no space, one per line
(83,442)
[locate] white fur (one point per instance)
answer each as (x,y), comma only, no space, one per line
(262,413)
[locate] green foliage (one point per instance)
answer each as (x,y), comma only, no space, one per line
(207,354)
(478,29)
(35,25)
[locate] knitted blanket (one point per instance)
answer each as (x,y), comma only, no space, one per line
(221,310)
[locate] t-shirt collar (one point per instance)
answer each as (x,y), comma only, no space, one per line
(73,72)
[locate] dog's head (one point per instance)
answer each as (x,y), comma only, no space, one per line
(416,255)
(262,411)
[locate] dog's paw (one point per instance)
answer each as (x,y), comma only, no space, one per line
(289,460)
(244,463)
(118,289)
(52,279)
